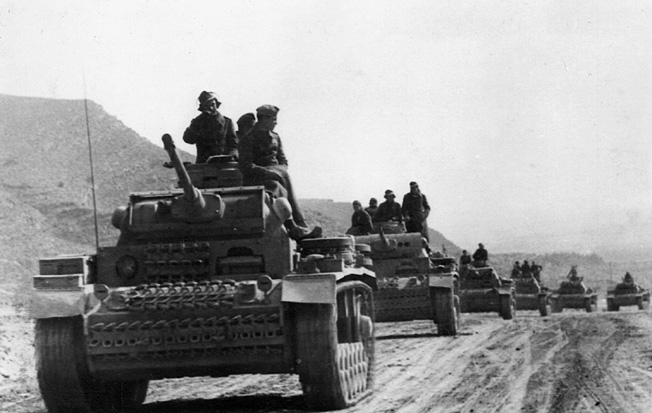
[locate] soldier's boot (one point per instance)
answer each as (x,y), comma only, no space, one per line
(298,233)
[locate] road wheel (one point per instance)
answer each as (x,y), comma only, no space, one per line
(588,305)
(543,306)
(335,348)
(556,307)
(446,311)
(62,372)
(640,303)
(507,307)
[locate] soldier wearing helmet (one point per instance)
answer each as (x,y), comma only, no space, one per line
(212,132)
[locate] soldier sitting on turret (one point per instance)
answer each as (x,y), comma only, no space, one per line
(628,284)
(516,270)
(536,271)
(263,162)
(572,275)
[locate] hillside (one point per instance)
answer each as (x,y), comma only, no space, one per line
(46,203)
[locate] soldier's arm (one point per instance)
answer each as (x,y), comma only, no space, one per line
(191,135)
(280,155)
(231,139)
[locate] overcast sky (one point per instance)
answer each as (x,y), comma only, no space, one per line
(521,121)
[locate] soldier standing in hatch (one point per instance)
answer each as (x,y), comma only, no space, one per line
(480,256)
(388,210)
(212,132)
(415,209)
(263,162)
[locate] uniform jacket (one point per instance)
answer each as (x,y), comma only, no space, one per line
(362,220)
(258,150)
(213,135)
(415,206)
(388,212)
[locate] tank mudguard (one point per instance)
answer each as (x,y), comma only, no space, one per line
(319,288)
(309,289)
(60,303)
(505,290)
(441,281)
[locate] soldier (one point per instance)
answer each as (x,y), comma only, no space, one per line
(572,274)
(415,209)
(536,271)
(628,279)
(245,123)
(465,258)
(360,221)
(263,162)
(372,208)
(388,210)
(210,131)
(516,270)
(480,256)
(526,267)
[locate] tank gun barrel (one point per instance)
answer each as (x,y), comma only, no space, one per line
(190,193)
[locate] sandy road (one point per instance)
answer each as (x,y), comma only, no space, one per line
(571,362)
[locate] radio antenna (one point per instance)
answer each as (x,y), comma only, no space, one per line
(90,157)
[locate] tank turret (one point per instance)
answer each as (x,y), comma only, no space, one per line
(192,206)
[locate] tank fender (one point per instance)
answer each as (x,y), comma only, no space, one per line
(441,281)
(319,288)
(61,303)
(505,290)
(309,289)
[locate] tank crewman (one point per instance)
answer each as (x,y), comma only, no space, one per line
(212,132)
(536,271)
(388,210)
(516,270)
(465,258)
(245,123)
(263,162)
(628,279)
(372,208)
(360,221)
(415,209)
(572,274)
(526,267)
(480,256)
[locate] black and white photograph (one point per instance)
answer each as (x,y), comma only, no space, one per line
(250,206)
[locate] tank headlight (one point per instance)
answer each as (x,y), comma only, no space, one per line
(118,217)
(127,267)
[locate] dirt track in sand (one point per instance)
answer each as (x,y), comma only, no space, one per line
(569,362)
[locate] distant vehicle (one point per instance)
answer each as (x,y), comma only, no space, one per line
(411,284)
(204,281)
(627,294)
(530,295)
(482,291)
(573,294)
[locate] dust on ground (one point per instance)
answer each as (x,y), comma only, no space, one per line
(569,362)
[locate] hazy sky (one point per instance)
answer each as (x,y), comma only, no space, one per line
(525,123)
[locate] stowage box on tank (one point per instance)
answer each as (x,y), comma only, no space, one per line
(203,282)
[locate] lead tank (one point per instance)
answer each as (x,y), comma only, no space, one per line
(204,281)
